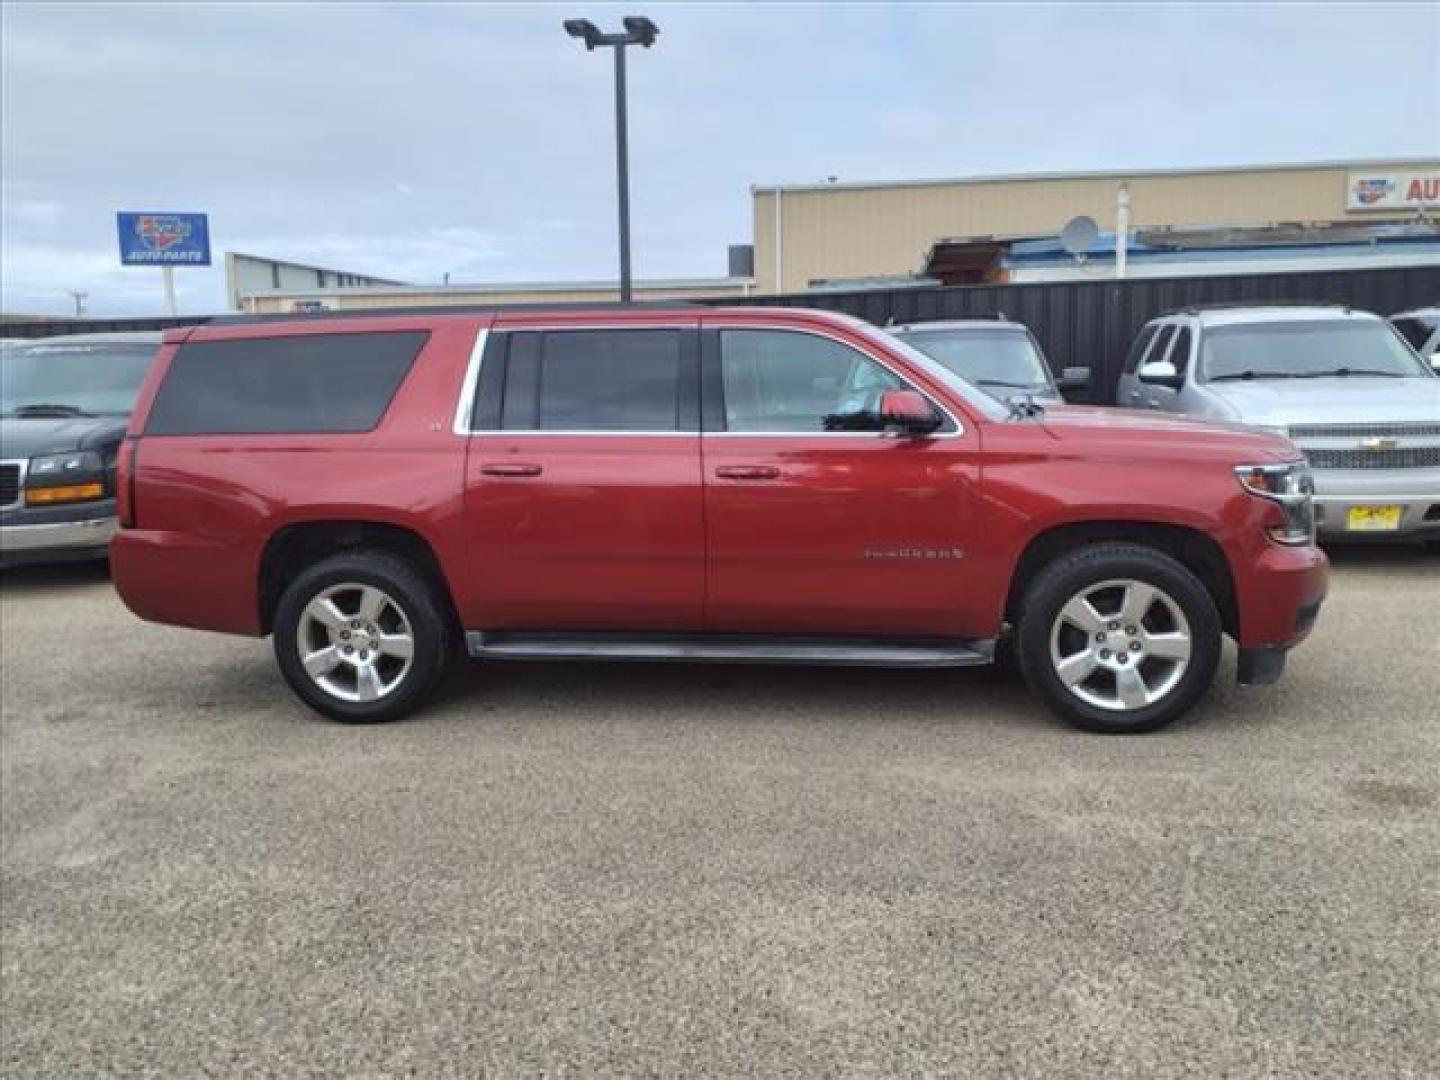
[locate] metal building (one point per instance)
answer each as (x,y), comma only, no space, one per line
(806,234)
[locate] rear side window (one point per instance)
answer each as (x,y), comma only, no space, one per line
(593,380)
(283,385)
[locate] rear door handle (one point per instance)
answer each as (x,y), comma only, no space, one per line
(748,472)
(511,468)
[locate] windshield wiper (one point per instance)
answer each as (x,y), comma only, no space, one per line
(1247,375)
(47,409)
(1013,385)
(1350,371)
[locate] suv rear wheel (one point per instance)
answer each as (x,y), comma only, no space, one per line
(1118,638)
(362,637)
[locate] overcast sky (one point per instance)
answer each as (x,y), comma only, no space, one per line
(412,140)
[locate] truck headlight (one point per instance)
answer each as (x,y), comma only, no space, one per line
(62,478)
(1290,487)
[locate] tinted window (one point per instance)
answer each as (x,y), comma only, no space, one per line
(1180,351)
(593,380)
(1416,331)
(303,383)
(782,382)
(1137,350)
(1158,350)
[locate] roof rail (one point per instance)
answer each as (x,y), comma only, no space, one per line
(244,317)
(1233,305)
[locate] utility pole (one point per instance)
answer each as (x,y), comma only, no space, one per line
(638,31)
(79,298)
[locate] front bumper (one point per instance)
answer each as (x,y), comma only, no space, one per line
(57,535)
(1416,492)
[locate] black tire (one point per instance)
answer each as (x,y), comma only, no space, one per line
(411,595)
(1070,576)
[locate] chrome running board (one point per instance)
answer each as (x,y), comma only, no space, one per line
(731,648)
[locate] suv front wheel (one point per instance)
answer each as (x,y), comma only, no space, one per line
(362,637)
(1118,638)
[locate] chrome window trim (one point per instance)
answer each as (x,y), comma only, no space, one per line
(24,466)
(464,409)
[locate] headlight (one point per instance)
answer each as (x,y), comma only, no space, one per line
(61,478)
(1290,487)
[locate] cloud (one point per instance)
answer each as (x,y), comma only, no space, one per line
(414,140)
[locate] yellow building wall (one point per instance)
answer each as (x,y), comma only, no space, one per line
(842,232)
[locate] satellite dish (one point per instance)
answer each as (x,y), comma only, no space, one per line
(1079,235)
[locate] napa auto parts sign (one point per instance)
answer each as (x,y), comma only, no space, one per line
(1393,191)
(163,239)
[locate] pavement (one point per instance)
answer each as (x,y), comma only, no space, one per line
(695,871)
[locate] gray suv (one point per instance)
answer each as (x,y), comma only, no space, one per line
(1000,357)
(1341,384)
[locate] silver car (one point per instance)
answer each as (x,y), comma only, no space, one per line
(1343,385)
(1421,328)
(1001,357)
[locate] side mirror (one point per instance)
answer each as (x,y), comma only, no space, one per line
(1160,372)
(906,412)
(1074,378)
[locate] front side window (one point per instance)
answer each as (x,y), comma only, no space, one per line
(1307,349)
(1003,360)
(1416,331)
(1180,350)
(1137,350)
(783,381)
(76,379)
(303,383)
(592,380)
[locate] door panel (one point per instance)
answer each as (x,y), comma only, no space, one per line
(572,532)
(814,525)
(584,503)
(853,534)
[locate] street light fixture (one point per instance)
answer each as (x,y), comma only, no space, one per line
(638,31)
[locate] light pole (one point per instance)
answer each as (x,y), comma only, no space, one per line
(638,31)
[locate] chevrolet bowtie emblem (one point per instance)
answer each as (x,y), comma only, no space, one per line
(1378,445)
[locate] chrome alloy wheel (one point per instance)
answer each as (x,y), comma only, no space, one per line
(1120,645)
(355,642)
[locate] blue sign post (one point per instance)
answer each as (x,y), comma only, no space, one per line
(166,240)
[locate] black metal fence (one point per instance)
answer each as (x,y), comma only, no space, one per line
(1079,323)
(1092,323)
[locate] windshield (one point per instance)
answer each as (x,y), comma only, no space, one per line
(1306,350)
(1007,361)
(979,400)
(90,379)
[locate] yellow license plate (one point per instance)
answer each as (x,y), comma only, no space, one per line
(1374,518)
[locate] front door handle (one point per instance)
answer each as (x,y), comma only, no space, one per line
(511,468)
(748,472)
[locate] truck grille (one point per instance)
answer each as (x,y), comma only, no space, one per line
(1360,431)
(1403,457)
(9,484)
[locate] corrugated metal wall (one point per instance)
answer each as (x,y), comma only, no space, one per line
(1079,323)
(1091,323)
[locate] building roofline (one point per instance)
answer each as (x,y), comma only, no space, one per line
(1096,174)
(309,266)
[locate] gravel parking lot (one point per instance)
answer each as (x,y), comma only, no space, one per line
(688,871)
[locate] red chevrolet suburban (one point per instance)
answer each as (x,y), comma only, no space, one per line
(678,483)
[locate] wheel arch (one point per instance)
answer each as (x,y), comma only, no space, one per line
(1192,548)
(292,548)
